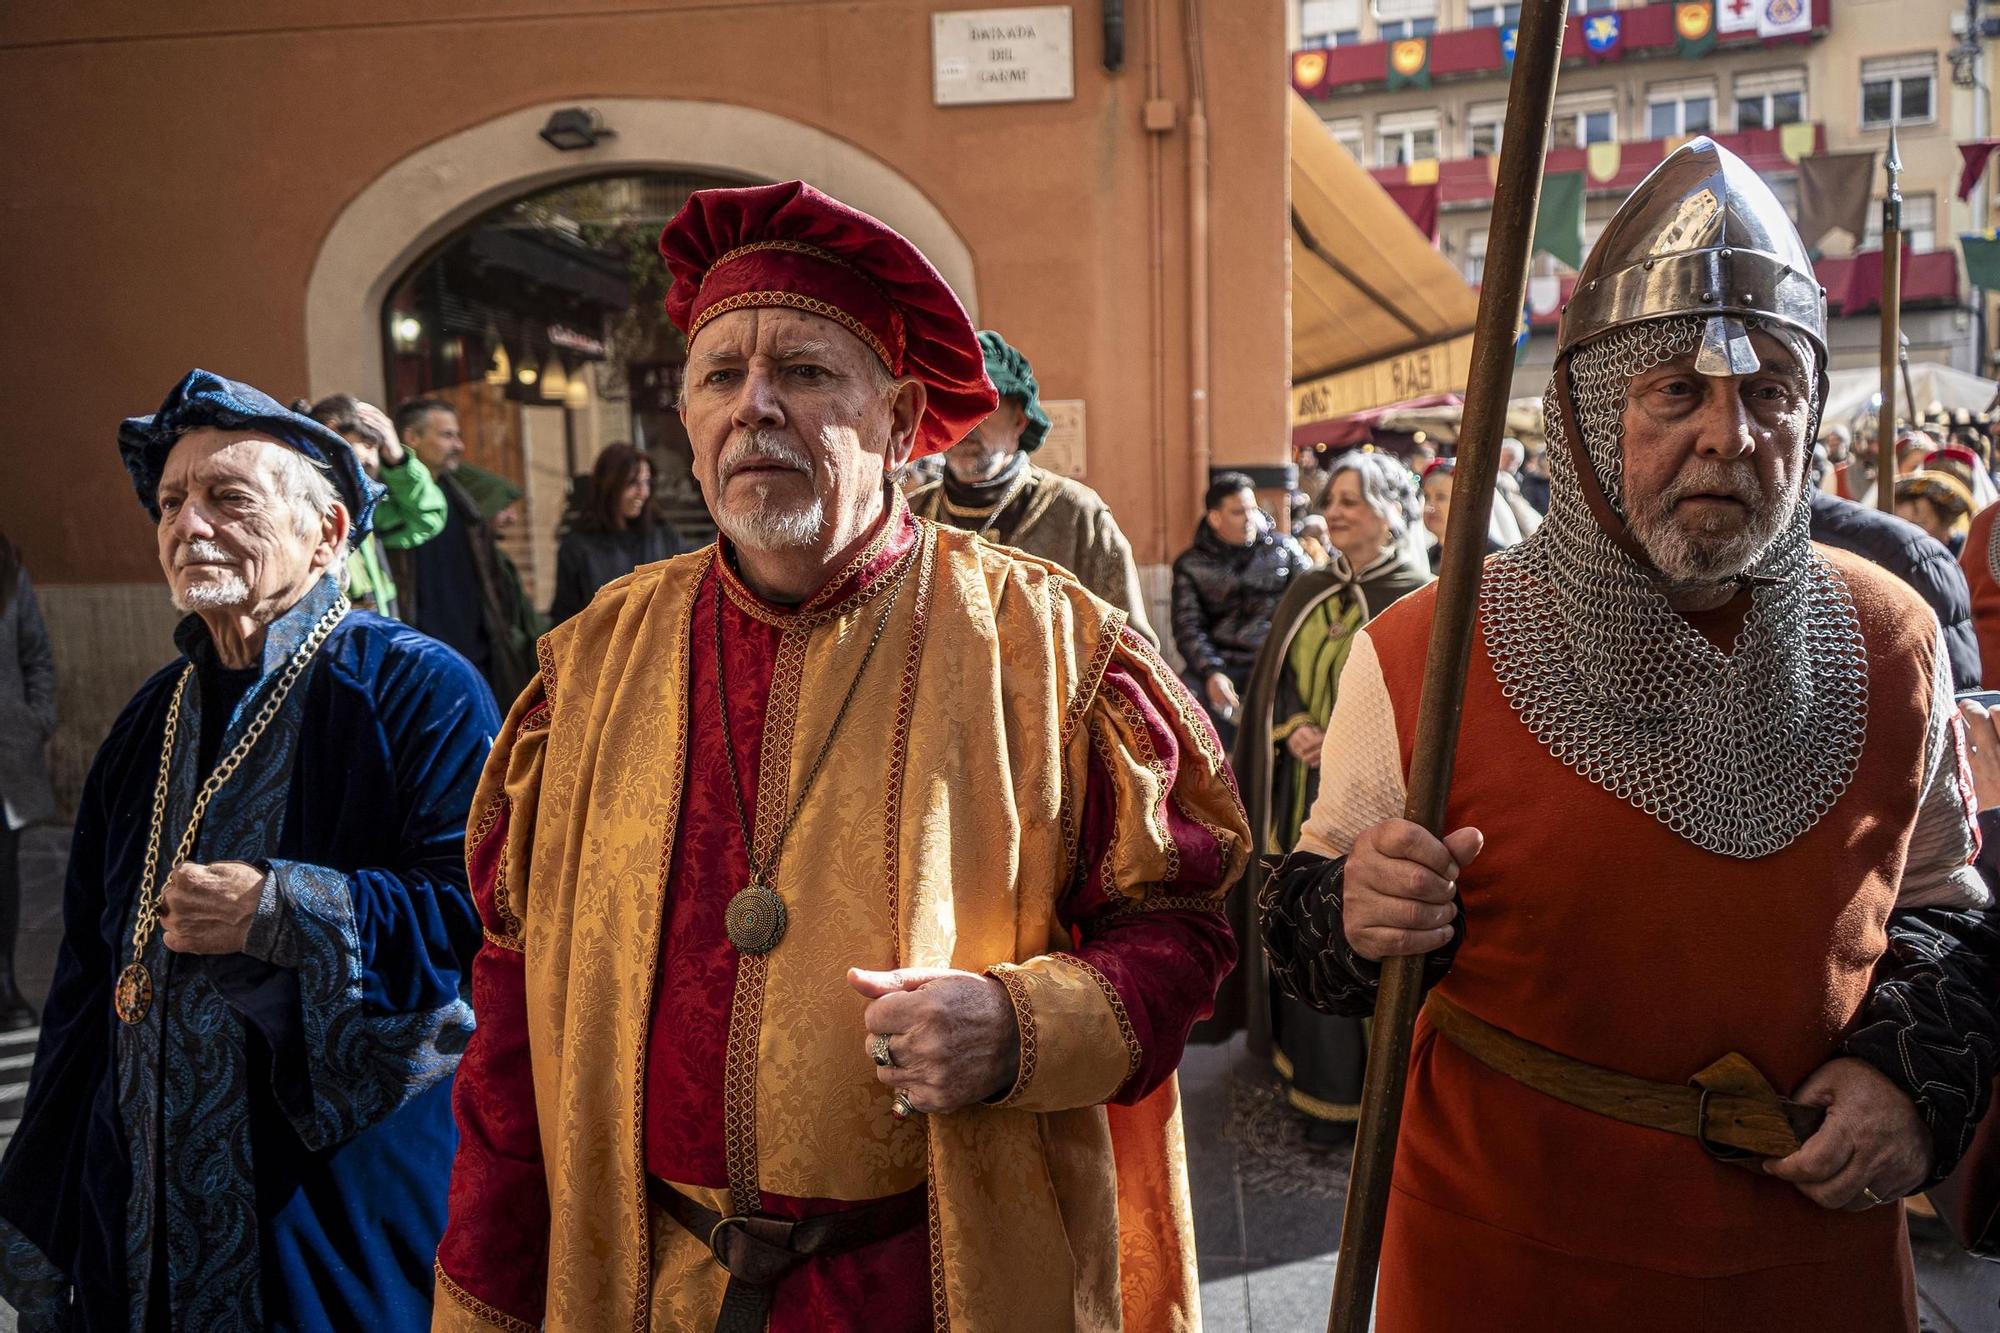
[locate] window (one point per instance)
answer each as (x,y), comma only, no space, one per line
(1686,107)
(1770,98)
(1324,23)
(1919,223)
(1584,118)
(1482,128)
(1494,16)
(1408,136)
(1475,256)
(1397,19)
(1898,90)
(1593,6)
(1347,133)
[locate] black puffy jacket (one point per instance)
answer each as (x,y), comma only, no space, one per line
(1915,557)
(1224,596)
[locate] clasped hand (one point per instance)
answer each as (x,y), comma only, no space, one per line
(951,1034)
(208,909)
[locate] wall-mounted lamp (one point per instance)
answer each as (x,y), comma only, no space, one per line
(501,369)
(405,330)
(528,375)
(573,127)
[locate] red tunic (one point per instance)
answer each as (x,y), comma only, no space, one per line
(1165,966)
(1974,559)
(1592,929)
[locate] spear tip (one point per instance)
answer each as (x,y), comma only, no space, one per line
(1895,162)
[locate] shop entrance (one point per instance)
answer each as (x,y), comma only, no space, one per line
(542,323)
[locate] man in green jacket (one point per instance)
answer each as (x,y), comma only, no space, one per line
(411,513)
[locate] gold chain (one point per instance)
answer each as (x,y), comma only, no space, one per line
(989,515)
(149,888)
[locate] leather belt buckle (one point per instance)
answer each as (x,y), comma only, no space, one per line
(753,1247)
(1721,1152)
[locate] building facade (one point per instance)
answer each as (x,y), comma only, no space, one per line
(254,188)
(1638,79)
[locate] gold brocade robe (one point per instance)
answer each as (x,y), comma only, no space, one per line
(958,802)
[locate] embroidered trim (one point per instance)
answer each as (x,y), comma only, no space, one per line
(940,1303)
(642,1273)
(492,1314)
(899,739)
(1008,975)
(545,665)
(1193,720)
(536,719)
(798,301)
(1134,1054)
(513,943)
(1305,1101)
(1172,902)
(1092,679)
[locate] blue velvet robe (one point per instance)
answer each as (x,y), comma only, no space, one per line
(289,1106)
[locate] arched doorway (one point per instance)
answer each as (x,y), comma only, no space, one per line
(417,207)
(542,324)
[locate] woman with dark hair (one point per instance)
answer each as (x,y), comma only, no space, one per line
(615,528)
(27,716)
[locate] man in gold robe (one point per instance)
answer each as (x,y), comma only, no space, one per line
(849,885)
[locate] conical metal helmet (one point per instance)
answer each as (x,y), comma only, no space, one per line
(1701,235)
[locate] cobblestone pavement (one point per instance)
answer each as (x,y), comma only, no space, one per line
(1267,1206)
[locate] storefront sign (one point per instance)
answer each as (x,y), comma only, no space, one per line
(1395,379)
(561,335)
(1062,448)
(1002,55)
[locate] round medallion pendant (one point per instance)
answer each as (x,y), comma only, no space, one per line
(134,994)
(755,919)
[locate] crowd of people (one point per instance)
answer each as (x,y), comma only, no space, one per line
(803,932)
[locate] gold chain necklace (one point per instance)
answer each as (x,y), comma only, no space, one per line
(134,993)
(979,512)
(755,919)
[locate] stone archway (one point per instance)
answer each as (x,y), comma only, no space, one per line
(429,195)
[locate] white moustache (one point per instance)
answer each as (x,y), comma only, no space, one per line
(202,553)
(764,447)
(1737,482)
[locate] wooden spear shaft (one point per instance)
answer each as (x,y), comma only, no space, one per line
(1892,330)
(1516,194)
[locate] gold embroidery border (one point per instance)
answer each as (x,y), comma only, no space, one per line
(510,920)
(940,1300)
(640,1211)
(512,943)
(545,666)
(1193,720)
(1155,818)
(479,1309)
(812,305)
(899,737)
(1172,902)
(1133,1051)
(1007,974)
(746,1004)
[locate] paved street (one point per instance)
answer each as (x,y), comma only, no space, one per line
(1267,1206)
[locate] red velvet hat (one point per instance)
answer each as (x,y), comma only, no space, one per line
(789,245)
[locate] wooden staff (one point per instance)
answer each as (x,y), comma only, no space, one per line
(1517,192)
(1892,330)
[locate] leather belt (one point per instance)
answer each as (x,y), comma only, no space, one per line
(1729,1108)
(756,1249)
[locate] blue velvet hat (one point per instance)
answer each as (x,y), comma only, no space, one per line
(205,399)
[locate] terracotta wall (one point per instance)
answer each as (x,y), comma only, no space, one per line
(189,161)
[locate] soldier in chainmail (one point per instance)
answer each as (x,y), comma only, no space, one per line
(1709,967)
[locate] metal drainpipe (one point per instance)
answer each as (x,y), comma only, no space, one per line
(1156,190)
(1200,357)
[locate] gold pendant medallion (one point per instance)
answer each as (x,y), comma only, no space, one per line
(134,993)
(755,918)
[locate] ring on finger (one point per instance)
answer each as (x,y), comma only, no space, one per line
(879,1052)
(901,1107)
(1874,1200)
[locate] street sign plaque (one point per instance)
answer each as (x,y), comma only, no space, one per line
(1003,55)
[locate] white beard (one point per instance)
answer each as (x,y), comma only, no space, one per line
(765,525)
(229,590)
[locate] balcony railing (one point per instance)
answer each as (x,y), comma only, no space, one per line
(1467,53)
(1611,168)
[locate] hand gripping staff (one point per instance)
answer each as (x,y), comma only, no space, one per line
(1517,191)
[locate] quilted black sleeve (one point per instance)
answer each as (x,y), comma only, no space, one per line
(1931,1021)
(1300,908)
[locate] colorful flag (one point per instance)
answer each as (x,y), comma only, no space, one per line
(1559,220)
(1736,15)
(1694,29)
(1410,63)
(1784,18)
(1602,161)
(1601,34)
(1510,37)
(1420,203)
(1797,140)
(1975,154)
(1833,192)
(1982,259)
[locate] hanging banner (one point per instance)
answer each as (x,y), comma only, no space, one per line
(1694,29)
(1784,18)
(1410,63)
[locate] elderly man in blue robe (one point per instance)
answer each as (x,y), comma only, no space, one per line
(240,1116)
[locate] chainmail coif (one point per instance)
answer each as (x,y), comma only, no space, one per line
(1739,752)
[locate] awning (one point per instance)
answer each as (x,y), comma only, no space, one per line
(1378,315)
(1850,394)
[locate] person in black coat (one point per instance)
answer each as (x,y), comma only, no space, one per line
(1226,586)
(1914,556)
(615,528)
